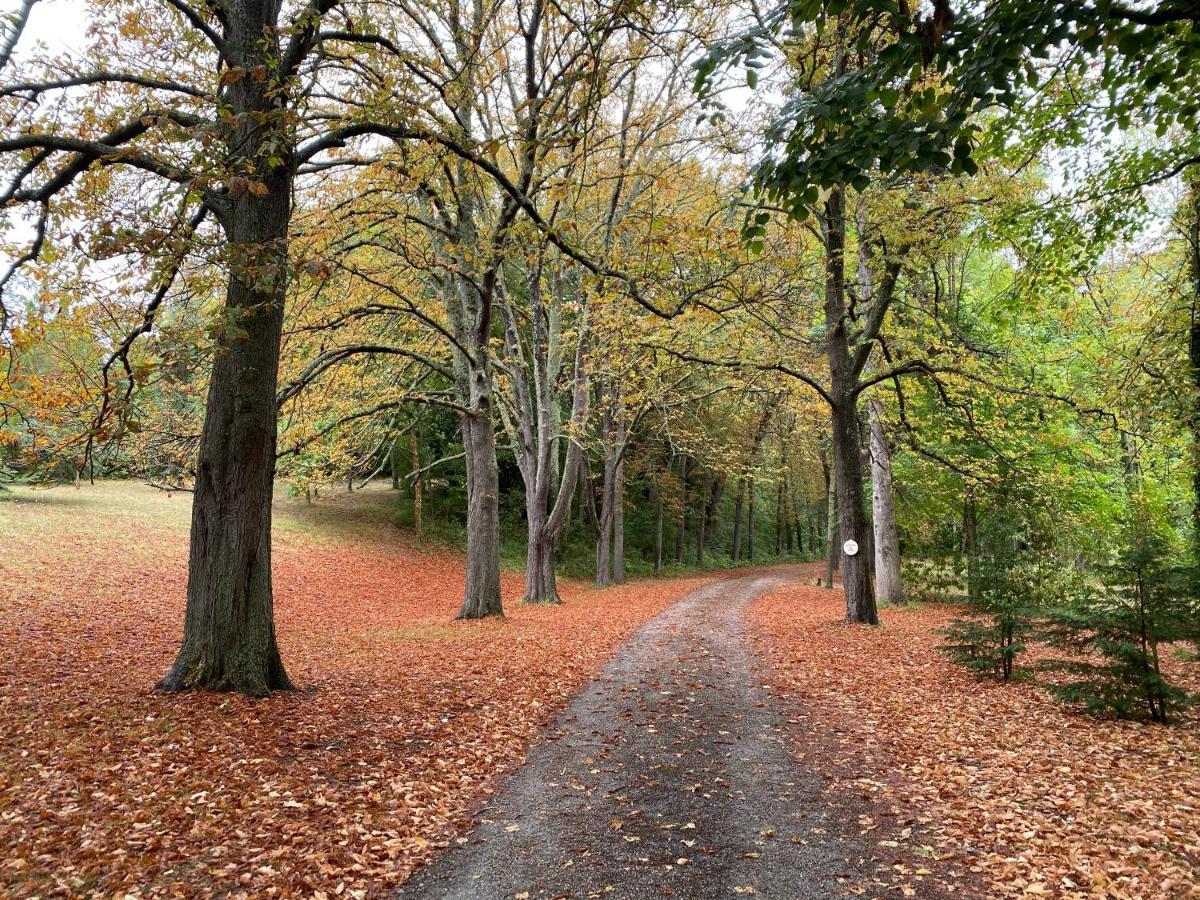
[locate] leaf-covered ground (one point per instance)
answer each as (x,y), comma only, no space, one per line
(404,720)
(1001,778)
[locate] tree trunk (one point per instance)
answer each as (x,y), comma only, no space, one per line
(1193,251)
(681,522)
(394,463)
(785,502)
(604,539)
(798,522)
(970,538)
(832,550)
(481,596)
(229,626)
(418,488)
(737,520)
(778,523)
(658,532)
(618,554)
(888,587)
(750,521)
(843,395)
(702,525)
(541,586)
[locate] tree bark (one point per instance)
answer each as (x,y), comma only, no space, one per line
(618,555)
(737,520)
(888,586)
(702,525)
(481,595)
(832,551)
(843,393)
(229,638)
(658,532)
(417,486)
(1193,251)
(681,521)
(750,521)
(970,536)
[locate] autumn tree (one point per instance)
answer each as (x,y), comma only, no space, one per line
(208,117)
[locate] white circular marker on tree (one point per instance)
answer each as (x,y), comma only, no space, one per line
(850,548)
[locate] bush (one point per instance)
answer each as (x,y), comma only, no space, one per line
(932,580)
(1014,587)
(1115,633)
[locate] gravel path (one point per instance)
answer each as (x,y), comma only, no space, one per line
(670,775)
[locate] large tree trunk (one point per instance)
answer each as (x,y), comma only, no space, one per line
(229,627)
(541,586)
(481,596)
(888,588)
(846,446)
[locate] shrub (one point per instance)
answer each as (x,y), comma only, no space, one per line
(1014,586)
(1115,632)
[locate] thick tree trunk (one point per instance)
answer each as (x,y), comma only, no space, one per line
(852,519)
(702,525)
(481,596)
(888,588)
(843,395)
(229,628)
(541,586)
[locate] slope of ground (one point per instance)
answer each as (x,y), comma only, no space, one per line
(402,724)
(998,778)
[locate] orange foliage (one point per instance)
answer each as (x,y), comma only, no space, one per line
(403,722)
(1036,799)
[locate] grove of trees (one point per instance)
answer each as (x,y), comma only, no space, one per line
(615,286)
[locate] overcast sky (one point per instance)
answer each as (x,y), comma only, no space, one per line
(59,24)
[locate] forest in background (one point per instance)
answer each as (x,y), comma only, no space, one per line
(640,284)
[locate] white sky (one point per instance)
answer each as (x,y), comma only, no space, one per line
(59,24)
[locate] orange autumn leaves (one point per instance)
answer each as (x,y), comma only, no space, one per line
(403,720)
(1034,799)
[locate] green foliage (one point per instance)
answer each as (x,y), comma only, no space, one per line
(1115,633)
(1014,585)
(931,580)
(926,82)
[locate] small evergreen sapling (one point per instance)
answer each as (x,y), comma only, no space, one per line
(1013,587)
(1115,633)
